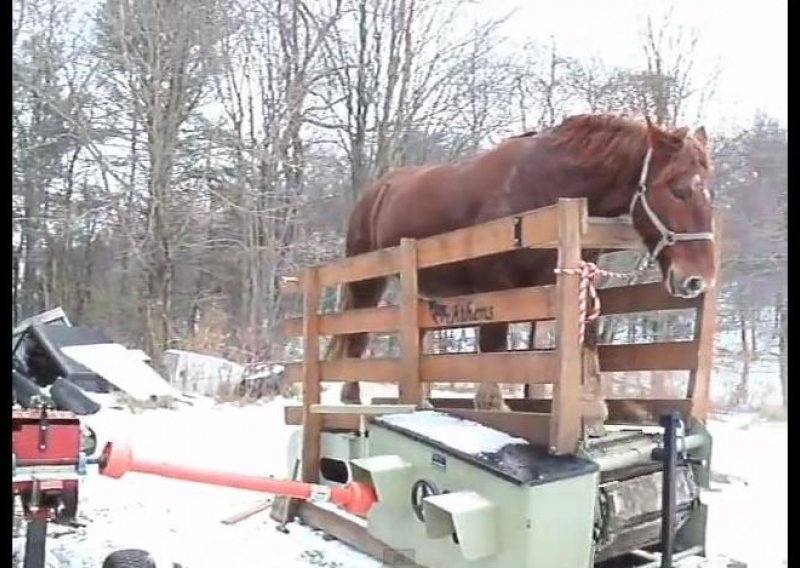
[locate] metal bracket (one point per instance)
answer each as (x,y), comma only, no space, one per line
(43,430)
(80,467)
(517,223)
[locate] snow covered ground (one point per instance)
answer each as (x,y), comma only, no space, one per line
(182,521)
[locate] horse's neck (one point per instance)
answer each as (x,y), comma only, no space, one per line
(609,193)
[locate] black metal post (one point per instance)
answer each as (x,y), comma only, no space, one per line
(670,423)
(35,538)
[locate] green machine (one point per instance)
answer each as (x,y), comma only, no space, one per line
(452,493)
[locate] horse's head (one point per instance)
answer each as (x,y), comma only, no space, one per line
(672,209)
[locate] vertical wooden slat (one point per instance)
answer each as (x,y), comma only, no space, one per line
(704,331)
(410,390)
(565,427)
(312,423)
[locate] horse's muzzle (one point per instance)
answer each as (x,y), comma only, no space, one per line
(685,286)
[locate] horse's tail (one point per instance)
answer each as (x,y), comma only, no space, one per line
(337,346)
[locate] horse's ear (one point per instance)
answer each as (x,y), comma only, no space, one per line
(661,138)
(701,136)
(680,133)
(654,133)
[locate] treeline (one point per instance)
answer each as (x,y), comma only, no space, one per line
(171,160)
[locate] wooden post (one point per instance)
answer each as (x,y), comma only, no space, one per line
(312,423)
(410,388)
(566,418)
(704,332)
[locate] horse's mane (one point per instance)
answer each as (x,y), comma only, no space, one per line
(607,140)
(599,139)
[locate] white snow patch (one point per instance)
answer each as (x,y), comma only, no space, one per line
(461,435)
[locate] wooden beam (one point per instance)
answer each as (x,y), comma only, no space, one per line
(488,238)
(617,234)
(517,367)
(380,370)
(540,228)
(383,262)
(535,428)
(565,428)
(409,387)
(520,304)
(666,356)
(371,320)
(312,423)
(704,331)
(640,298)
(293,416)
(352,534)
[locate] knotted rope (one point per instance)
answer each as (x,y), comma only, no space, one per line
(588,272)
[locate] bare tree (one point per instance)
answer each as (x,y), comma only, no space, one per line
(160,55)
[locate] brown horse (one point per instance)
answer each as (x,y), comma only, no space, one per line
(620,165)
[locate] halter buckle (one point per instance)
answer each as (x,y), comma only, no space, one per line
(670,238)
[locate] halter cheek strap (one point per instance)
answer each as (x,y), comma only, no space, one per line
(668,236)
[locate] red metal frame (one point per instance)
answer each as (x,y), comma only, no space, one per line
(46,447)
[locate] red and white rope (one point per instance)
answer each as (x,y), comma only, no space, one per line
(588,272)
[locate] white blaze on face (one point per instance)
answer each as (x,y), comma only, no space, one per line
(698,185)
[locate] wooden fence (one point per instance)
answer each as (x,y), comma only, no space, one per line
(566,227)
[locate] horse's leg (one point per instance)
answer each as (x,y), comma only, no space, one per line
(492,337)
(533,390)
(426,387)
(363,294)
(595,410)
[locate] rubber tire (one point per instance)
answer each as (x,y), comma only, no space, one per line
(129,558)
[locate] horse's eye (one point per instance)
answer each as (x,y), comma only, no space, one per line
(681,192)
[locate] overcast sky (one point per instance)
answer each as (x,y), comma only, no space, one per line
(747,39)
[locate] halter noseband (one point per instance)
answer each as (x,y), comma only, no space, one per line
(668,237)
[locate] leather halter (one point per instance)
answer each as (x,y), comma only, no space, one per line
(668,236)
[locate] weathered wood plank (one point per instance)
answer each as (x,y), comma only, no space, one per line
(293,416)
(409,387)
(488,238)
(352,369)
(539,229)
(516,367)
(667,356)
(521,304)
(312,424)
(384,319)
(616,234)
(565,428)
(640,298)
(383,262)
(351,533)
